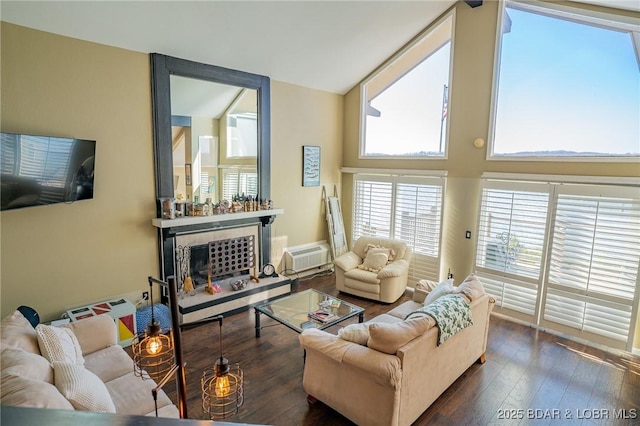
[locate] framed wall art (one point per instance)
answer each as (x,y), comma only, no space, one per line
(310,165)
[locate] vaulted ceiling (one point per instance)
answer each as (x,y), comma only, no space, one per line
(326,45)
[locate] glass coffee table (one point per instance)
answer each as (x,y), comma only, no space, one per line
(293,311)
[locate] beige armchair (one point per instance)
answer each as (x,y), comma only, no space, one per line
(366,272)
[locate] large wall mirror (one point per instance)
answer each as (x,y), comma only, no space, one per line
(214,140)
(220,114)
(211,132)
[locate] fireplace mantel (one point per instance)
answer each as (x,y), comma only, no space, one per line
(215,219)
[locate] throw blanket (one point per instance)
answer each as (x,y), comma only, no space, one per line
(451,312)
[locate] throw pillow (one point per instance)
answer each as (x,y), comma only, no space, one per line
(83,389)
(17,332)
(25,392)
(427,285)
(444,287)
(374,261)
(389,337)
(471,287)
(376,258)
(59,344)
(381,249)
(356,333)
(26,364)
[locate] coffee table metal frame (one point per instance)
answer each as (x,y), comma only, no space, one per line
(301,312)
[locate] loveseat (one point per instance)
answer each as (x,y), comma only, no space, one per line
(375,268)
(78,366)
(389,370)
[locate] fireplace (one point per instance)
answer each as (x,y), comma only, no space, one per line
(238,243)
(219,254)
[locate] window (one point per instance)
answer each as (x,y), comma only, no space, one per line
(563,256)
(406,208)
(404,107)
(242,134)
(593,269)
(236,180)
(567,85)
(511,236)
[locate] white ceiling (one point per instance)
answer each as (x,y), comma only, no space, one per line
(326,45)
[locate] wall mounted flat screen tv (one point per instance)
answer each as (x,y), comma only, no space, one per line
(40,170)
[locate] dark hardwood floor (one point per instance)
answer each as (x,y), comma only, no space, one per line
(530,377)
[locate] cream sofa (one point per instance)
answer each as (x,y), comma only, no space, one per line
(395,385)
(361,272)
(100,378)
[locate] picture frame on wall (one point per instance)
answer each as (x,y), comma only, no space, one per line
(310,165)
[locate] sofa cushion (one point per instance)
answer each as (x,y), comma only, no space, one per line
(356,333)
(471,287)
(131,395)
(388,338)
(26,392)
(109,363)
(16,331)
(443,287)
(385,318)
(94,333)
(26,364)
(401,311)
(365,278)
(59,344)
(82,388)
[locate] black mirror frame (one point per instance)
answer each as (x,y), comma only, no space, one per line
(162,67)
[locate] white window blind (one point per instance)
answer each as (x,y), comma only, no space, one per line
(563,256)
(204,186)
(511,237)
(593,267)
(405,208)
(238,181)
(372,207)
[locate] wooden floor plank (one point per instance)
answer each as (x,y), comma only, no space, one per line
(525,369)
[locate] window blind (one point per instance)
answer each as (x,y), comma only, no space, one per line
(236,181)
(511,238)
(563,256)
(405,208)
(593,267)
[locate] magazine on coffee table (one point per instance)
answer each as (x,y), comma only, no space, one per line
(322,315)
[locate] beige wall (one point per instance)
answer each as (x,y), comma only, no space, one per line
(302,116)
(61,256)
(64,255)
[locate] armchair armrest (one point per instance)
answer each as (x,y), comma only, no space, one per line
(94,333)
(348,261)
(394,269)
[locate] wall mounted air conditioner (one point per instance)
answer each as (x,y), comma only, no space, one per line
(307,256)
